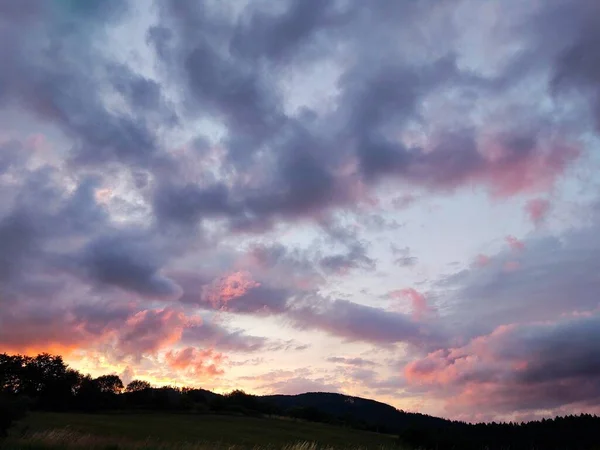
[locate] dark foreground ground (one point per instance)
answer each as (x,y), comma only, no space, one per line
(183,431)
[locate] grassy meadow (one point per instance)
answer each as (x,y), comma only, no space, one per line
(183,431)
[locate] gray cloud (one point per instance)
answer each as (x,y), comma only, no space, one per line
(301,158)
(358,362)
(552,276)
(402,256)
(355,258)
(54,73)
(356,322)
(224,339)
(127,261)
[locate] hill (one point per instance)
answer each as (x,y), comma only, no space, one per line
(375,415)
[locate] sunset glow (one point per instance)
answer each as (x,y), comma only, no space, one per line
(397,200)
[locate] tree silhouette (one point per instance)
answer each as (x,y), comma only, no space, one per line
(138,386)
(110,384)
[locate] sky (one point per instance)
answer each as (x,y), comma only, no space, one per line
(391,200)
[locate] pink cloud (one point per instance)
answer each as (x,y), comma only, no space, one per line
(537,210)
(516,369)
(418,301)
(206,362)
(229,287)
(508,162)
(510,171)
(515,243)
(482,260)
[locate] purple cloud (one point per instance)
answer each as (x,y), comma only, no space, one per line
(356,322)
(240,158)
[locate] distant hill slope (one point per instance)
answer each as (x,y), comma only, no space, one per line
(371,412)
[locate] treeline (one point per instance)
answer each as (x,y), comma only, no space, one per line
(45,382)
(580,432)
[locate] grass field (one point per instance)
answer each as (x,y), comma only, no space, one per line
(182,431)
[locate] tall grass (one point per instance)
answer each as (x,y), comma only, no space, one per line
(67,439)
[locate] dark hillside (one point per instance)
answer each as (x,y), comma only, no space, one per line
(383,417)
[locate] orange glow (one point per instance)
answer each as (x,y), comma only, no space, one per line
(200,362)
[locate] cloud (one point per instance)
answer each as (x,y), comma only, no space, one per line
(482,260)
(356,322)
(403,258)
(357,362)
(403,201)
(54,319)
(239,293)
(522,333)
(575,63)
(214,335)
(51,77)
(289,267)
(231,287)
(148,331)
(514,243)
(537,210)
(418,301)
(355,258)
(236,158)
(295,178)
(31,330)
(127,261)
(553,277)
(518,368)
(198,362)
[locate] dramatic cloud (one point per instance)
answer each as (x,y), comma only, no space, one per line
(375,98)
(151,330)
(126,262)
(517,368)
(184,182)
